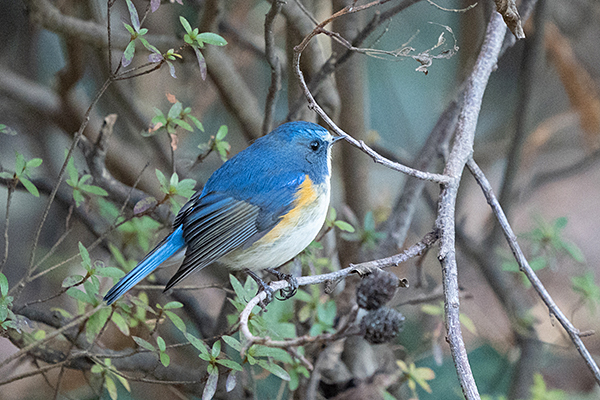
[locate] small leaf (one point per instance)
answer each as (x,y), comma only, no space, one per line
(3,285)
(172,304)
(34,163)
(183,124)
(230,364)
(72,280)
(467,323)
(29,186)
(78,295)
(165,359)
(98,191)
(171,69)
(274,369)
(128,54)
(201,62)
(110,386)
(221,133)
(344,226)
(121,323)
(232,342)
(175,110)
(231,381)
(86,261)
(197,343)
(143,343)
(216,349)
(144,204)
(162,180)
(135,19)
(196,122)
(162,346)
(212,38)
(186,24)
(110,272)
(211,385)
(177,321)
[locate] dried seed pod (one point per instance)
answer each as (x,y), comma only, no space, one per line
(381,325)
(376,289)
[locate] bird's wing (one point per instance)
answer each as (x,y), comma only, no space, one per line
(215,224)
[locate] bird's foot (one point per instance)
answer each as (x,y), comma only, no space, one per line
(292,289)
(262,286)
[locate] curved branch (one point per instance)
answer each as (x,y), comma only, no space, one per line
(524,266)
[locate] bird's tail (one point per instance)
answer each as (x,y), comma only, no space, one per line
(165,249)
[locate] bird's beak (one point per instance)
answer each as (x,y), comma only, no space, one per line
(336,138)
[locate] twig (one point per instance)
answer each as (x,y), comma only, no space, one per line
(328,278)
(274,63)
(11,189)
(315,106)
(50,336)
(524,266)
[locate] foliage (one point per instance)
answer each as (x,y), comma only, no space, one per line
(23,171)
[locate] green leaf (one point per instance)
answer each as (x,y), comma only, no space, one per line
(86,261)
(7,175)
(19,163)
(274,369)
(135,19)
(183,124)
(186,24)
(232,342)
(273,352)
(162,346)
(212,38)
(216,349)
(110,386)
(222,132)
(230,364)
(172,304)
(175,111)
(96,322)
(143,343)
(3,285)
(574,251)
(165,359)
(110,272)
(162,180)
(197,343)
(344,226)
(121,323)
(78,295)
(34,163)
(177,321)
(29,186)
(196,122)
(98,191)
(72,280)
(128,54)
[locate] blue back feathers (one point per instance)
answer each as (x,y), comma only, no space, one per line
(241,202)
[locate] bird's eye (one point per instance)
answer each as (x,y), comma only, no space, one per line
(314,145)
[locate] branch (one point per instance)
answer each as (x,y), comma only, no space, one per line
(275,65)
(524,266)
(461,151)
(44,13)
(329,279)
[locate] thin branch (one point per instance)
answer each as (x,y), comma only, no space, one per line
(51,336)
(274,63)
(330,279)
(11,189)
(524,266)
(461,151)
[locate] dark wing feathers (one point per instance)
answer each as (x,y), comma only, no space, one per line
(213,228)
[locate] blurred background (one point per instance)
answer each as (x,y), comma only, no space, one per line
(537,141)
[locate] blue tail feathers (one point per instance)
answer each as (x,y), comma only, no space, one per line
(165,249)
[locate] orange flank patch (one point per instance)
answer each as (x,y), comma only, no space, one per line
(305,196)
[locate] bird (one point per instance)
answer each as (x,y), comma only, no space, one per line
(259,210)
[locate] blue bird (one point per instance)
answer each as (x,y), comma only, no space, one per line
(257,211)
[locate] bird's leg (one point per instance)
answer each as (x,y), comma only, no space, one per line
(262,286)
(289,291)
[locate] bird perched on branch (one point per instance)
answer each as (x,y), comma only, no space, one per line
(257,211)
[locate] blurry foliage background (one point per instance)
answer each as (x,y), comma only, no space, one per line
(401,106)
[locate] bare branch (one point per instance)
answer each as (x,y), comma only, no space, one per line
(524,266)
